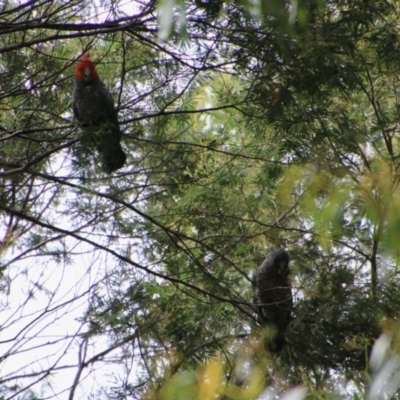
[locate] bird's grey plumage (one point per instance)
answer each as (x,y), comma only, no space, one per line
(92,103)
(93,107)
(272,295)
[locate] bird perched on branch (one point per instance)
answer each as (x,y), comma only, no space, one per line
(94,108)
(272,296)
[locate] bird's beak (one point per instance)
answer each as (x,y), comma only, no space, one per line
(282,267)
(87,74)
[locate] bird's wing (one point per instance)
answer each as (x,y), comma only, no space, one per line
(105,98)
(75,110)
(254,286)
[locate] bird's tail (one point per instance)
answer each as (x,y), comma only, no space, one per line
(274,341)
(276,345)
(110,148)
(107,139)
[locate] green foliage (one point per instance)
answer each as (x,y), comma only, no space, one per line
(249,125)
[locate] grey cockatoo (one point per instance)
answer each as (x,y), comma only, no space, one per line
(272,296)
(94,108)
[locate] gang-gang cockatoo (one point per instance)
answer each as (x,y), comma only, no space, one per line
(272,295)
(94,108)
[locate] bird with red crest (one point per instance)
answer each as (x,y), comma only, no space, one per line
(93,107)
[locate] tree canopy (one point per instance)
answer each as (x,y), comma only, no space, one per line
(247,125)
